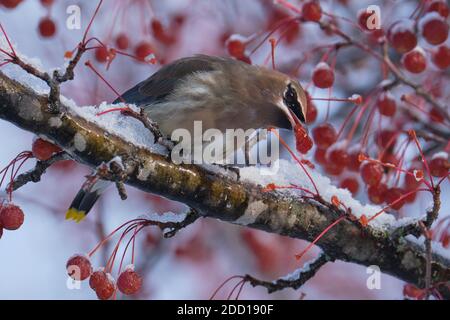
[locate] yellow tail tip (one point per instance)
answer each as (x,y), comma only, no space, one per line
(76,215)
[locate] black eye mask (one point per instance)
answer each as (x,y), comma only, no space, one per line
(291,101)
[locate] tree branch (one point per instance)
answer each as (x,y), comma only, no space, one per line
(220,197)
(293,281)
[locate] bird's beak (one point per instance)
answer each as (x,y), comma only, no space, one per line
(295,121)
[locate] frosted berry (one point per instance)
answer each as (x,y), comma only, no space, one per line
(386,104)
(363,16)
(412,180)
(338,155)
(129,281)
(43,150)
(353,159)
(235,46)
(351,184)
(333,169)
(1,231)
(440,7)
(434,28)
(371,173)
(312,11)
(439,165)
(324,135)
(47,27)
(441,57)
(392,195)
(11,217)
(415,61)
(10,4)
(79,267)
(302,140)
(103,284)
(401,36)
(320,156)
(143,50)
(377,193)
(122,41)
(323,76)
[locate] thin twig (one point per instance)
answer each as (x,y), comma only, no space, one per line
(303,276)
(35,174)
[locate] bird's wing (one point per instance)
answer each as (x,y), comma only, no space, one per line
(164,81)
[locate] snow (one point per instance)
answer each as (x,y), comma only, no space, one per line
(322,65)
(439,155)
(129,129)
(296,274)
(291,173)
(404,25)
(165,217)
(436,247)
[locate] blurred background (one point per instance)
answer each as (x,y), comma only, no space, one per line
(196,261)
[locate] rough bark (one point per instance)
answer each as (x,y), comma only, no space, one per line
(217,196)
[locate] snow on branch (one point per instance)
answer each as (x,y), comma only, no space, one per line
(214,195)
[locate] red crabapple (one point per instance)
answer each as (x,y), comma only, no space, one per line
(122,41)
(312,11)
(439,165)
(433,28)
(440,7)
(10,4)
(371,173)
(79,267)
(47,27)
(393,195)
(324,135)
(377,194)
(143,50)
(129,281)
(103,284)
(401,35)
(11,216)
(441,57)
(386,104)
(351,184)
(415,61)
(323,76)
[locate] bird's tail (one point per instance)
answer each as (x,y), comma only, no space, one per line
(86,198)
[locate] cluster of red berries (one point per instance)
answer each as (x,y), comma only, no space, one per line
(11,217)
(129,282)
(433,27)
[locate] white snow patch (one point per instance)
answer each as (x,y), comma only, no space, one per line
(435,246)
(252,212)
(291,173)
(79,142)
(439,155)
(165,217)
(114,122)
(322,66)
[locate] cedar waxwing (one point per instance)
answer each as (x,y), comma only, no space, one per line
(222,93)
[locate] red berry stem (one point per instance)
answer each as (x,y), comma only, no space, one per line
(296,159)
(300,255)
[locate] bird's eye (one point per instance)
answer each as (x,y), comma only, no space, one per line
(291,100)
(290,95)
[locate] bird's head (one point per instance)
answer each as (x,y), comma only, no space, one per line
(294,102)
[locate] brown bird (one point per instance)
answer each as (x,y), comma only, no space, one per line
(222,93)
